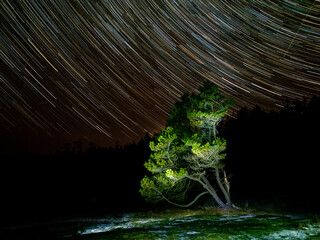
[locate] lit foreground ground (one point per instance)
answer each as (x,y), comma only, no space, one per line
(175,224)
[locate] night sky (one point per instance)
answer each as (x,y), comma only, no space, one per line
(107,70)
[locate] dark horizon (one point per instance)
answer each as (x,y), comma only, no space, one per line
(50,145)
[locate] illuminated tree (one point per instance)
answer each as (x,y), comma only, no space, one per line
(189,151)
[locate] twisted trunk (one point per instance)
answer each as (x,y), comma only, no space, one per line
(213,192)
(225,192)
(226,182)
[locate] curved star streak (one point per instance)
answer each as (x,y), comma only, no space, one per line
(106,70)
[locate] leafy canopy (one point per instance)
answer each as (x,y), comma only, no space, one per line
(188,148)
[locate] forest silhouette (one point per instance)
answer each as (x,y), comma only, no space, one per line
(276,154)
(270,156)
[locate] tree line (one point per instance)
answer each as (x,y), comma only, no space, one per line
(268,154)
(275,153)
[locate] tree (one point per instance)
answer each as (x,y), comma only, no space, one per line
(189,151)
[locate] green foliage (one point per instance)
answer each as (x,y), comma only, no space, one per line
(147,188)
(188,147)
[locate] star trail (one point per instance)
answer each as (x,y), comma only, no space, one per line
(112,70)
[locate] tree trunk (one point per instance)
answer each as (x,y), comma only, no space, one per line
(224,191)
(213,192)
(226,182)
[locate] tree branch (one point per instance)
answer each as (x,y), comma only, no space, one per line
(181,205)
